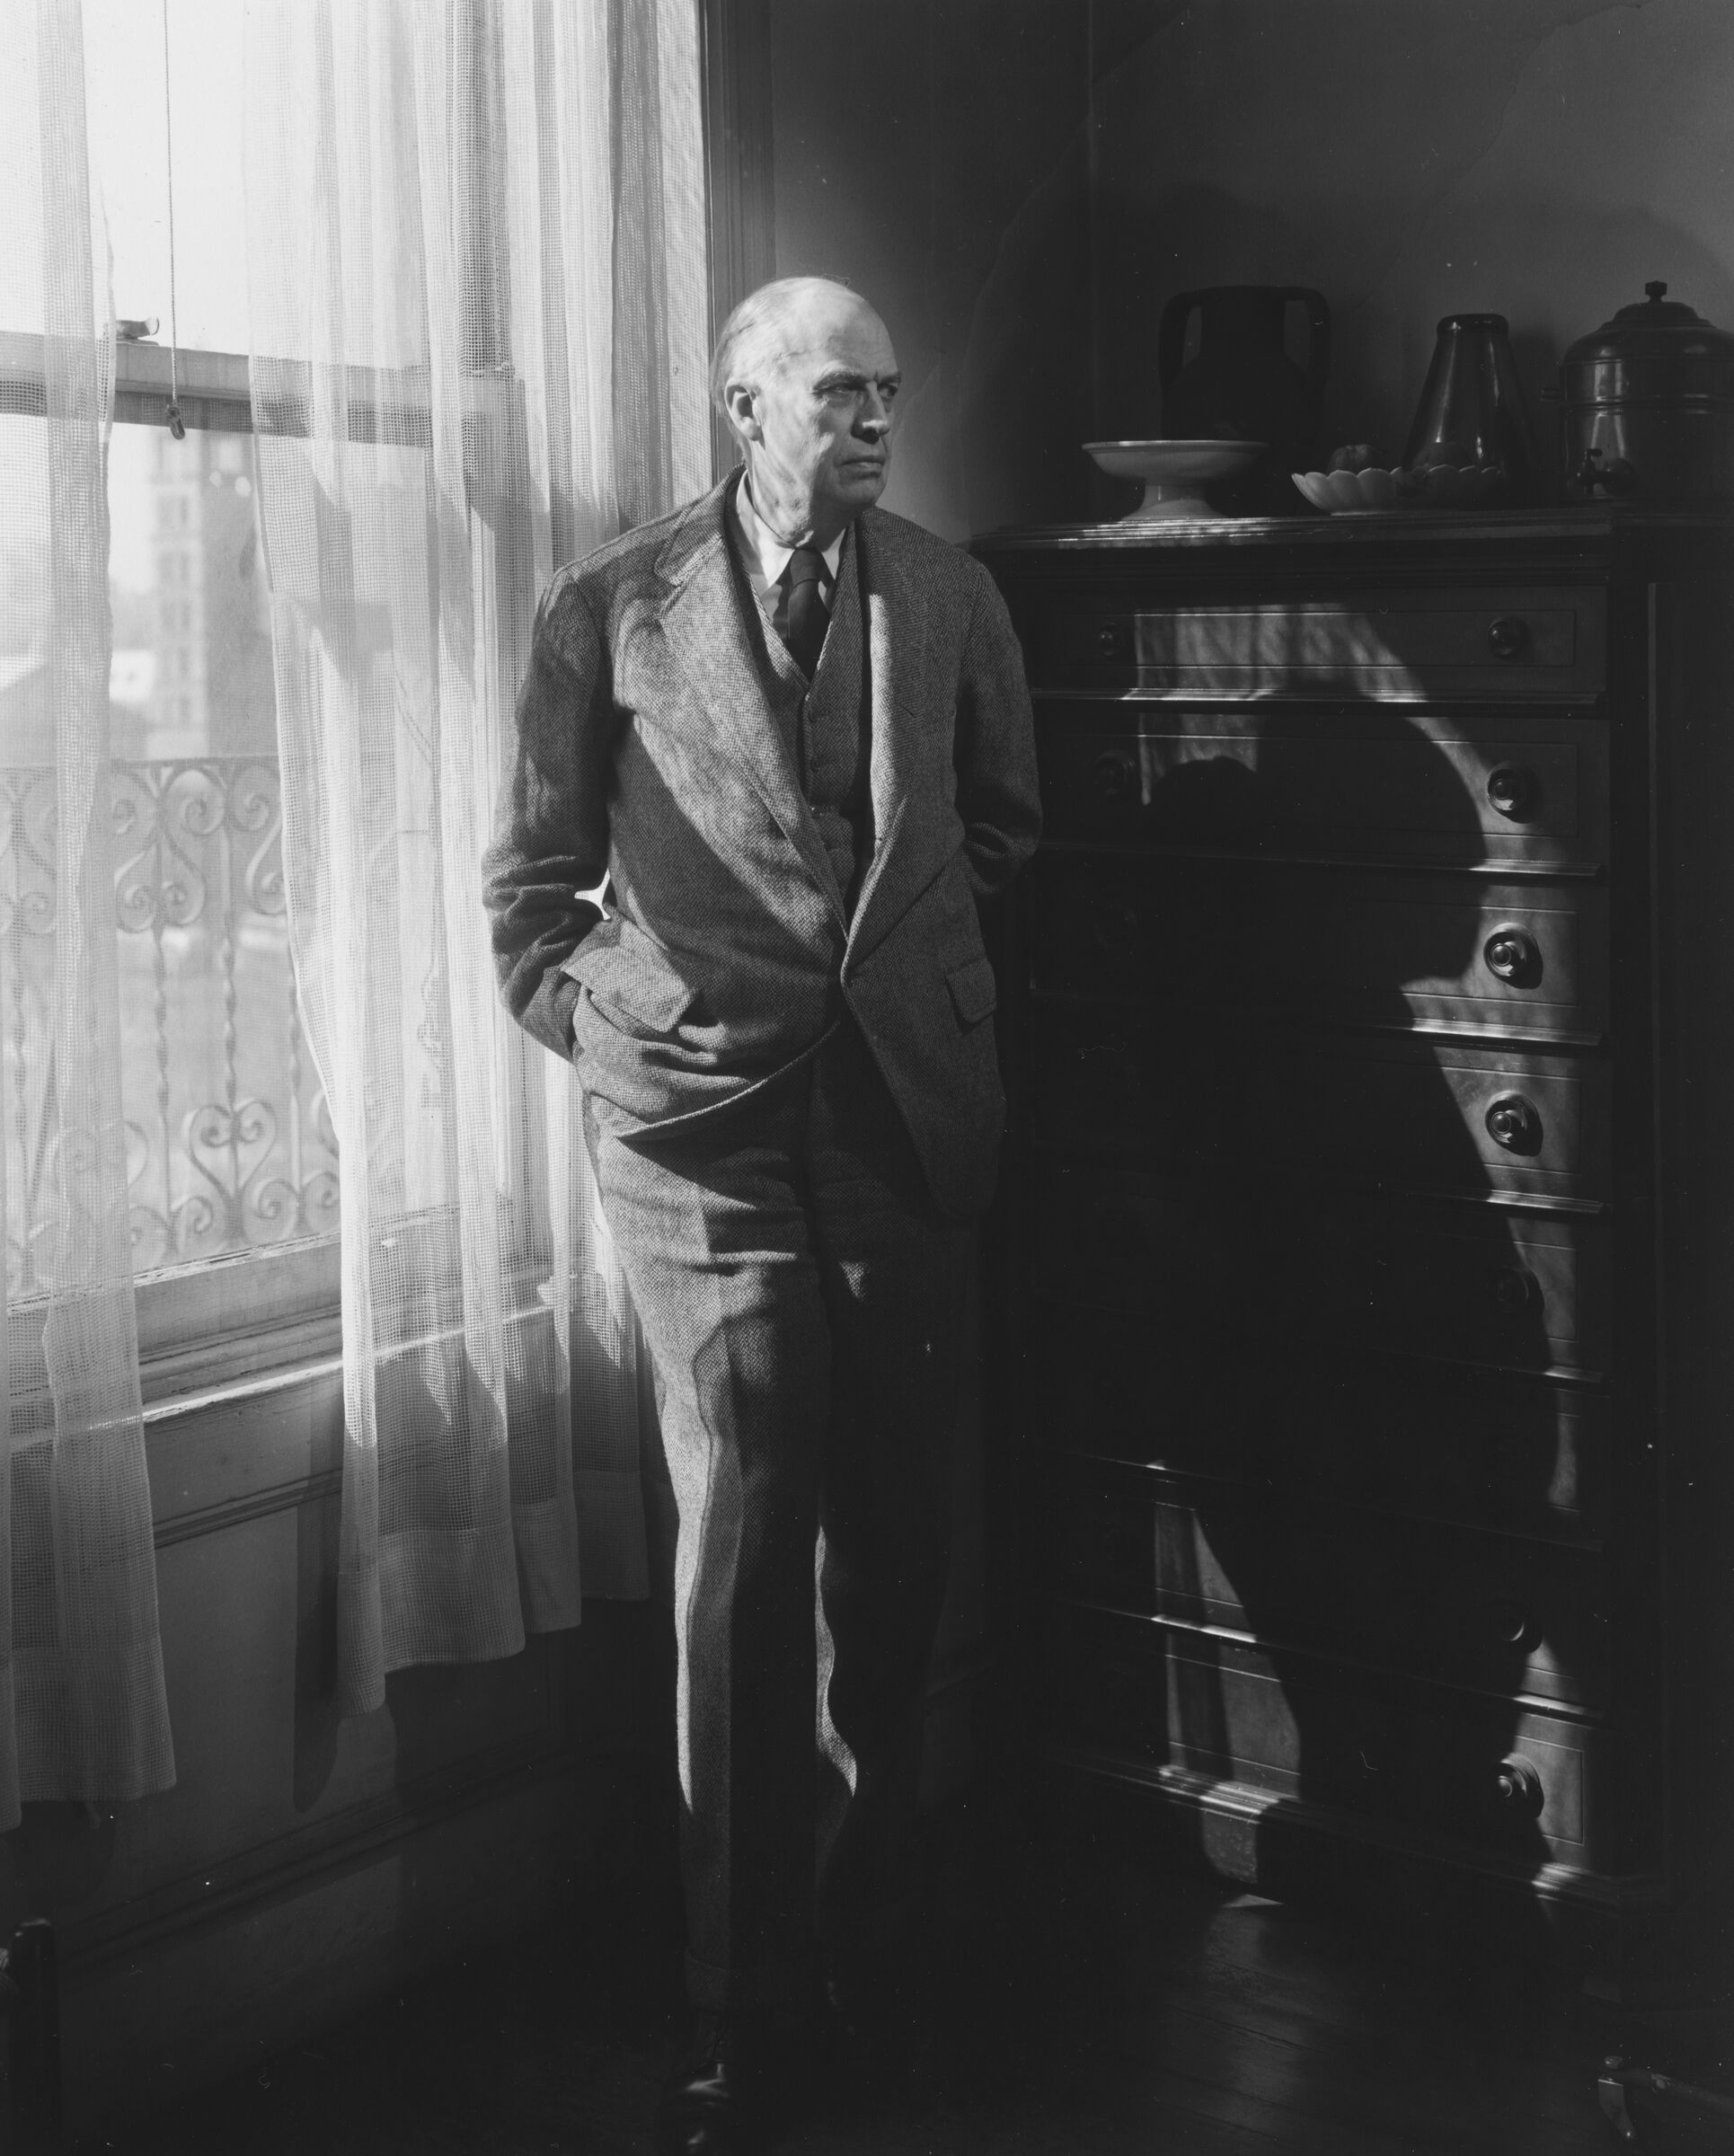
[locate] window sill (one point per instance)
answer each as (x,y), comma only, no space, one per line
(250,1421)
(235,1319)
(237,1450)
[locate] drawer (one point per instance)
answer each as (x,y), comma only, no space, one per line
(1524,1294)
(1299,1568)
(1442,1116)
(1487,1773)
(1464,1282)
(1516,641)
(1351,781)
(1316,942)
(1447,1445)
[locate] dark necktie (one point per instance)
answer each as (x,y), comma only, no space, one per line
(804,614)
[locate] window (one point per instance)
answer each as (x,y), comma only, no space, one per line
(231,1156)
(232,1148)
(231,1160)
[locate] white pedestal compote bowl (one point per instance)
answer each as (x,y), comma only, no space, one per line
(1173,473)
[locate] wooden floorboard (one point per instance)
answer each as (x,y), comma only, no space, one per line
(1075,2006)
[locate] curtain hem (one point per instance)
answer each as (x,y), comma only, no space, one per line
(71,1704)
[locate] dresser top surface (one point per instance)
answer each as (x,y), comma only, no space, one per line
(1594,531)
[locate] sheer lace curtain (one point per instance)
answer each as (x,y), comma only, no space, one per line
(477,276)
(83,1711)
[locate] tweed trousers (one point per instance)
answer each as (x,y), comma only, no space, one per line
(802,1303)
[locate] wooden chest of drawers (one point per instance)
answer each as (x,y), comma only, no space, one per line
(1367,1191)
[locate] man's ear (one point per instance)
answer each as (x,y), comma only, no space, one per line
(741,402)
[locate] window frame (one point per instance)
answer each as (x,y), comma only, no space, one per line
(242,1315)
(257,1322)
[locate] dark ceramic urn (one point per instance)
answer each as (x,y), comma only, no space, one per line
(1241,385)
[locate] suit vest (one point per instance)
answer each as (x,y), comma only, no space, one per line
(827,726)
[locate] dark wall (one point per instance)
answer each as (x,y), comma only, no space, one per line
(1021,184)
(1538,158)
(934,155)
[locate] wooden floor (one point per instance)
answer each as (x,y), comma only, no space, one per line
(1078,2006)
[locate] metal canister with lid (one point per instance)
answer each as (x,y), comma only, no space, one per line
(1647,406)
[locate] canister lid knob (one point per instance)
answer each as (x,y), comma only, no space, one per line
(1660,332)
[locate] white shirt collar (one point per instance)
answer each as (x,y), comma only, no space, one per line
(764,553)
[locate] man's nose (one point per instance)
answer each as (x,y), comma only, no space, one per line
(874,418)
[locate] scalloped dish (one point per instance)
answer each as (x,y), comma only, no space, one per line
(1443,487)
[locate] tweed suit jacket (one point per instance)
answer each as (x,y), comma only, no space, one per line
(647,755)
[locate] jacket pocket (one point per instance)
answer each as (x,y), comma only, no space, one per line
(627,974)
(974,994)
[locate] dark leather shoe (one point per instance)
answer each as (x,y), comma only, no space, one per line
(717,2101)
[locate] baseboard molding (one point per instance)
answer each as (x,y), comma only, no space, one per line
(312,1857)
(211,1974)
(179,1998)
(1288,1848)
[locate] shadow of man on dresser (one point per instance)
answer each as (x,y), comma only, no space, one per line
(1360,1444)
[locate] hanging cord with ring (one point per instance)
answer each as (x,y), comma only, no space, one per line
(177,425)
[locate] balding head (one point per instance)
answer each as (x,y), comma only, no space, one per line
(805,374)
(765,323)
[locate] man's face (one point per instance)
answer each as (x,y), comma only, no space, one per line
(818,422)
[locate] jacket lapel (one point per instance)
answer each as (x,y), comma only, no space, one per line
(708,637)
(896,640)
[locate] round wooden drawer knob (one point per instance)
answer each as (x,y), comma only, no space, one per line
(1115,775)
(1512,954)
(1515,1291)
(1515,790)
(1507,634)
(1518,1789)
(1514,1122)
(1117,926)
(1507,1622)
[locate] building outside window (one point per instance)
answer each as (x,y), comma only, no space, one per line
(231,1157)
(230,1149)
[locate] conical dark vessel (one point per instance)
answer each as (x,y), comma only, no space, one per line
(1472,408)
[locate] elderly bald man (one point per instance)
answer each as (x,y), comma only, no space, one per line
(793,732)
